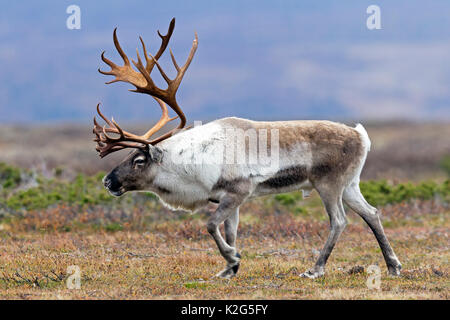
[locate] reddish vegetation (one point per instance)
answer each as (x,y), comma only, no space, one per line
(176,259)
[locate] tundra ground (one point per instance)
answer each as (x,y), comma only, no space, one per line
(177,259)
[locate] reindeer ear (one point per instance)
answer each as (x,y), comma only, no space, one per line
(155,153)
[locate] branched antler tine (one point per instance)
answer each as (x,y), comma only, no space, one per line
(121,132)
(148,61)
(103,117)
(167,134)
(112,66)
(176,82)
(109,148)
(106,143)
(107,137)
(108,73)
(165,39)
(143,71)
(95,123)
(173,87)
(165,110)
(107,61)
(113,81)
(174,61)
(164,75)
(122,145)
(162,120)
(119,48)
(115,128)
(139,61)
(162,105)
(191,55)
(164,42)
(96,131)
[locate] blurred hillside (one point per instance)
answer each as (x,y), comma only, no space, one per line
(281,60)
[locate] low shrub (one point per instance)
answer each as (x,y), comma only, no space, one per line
(83,191)
(380,193)
(10,177)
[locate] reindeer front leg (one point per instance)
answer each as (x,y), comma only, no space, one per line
(231,226)
(228,212)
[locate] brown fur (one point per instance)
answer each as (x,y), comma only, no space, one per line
(336,148)
(293,132)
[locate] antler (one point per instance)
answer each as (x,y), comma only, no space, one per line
(144,84)
(107,144)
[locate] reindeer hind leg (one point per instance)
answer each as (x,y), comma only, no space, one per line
(355,200)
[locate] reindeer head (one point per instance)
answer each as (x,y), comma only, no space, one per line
(136,172)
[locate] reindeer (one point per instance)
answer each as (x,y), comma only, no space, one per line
(177,166)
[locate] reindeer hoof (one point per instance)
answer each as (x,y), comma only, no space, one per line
(395,270)
(312,274)
(227,273)
(231,269)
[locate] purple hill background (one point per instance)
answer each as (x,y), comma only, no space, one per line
(256,59)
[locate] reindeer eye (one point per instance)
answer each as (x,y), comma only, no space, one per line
(139,161)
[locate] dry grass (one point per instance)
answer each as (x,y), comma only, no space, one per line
(176,259)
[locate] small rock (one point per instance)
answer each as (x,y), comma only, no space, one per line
(356,270)
(437,272)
